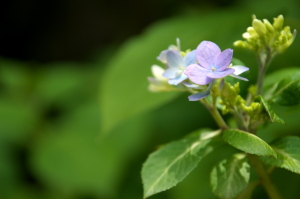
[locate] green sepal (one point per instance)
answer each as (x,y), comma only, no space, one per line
(231,176)
(269,111)
(288,154)
(248,142)
(171,163)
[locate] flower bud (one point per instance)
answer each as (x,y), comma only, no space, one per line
(269,26)
(259,27)
(278,22)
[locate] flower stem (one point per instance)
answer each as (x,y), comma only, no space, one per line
(265,180)
(215,114)
(264,61)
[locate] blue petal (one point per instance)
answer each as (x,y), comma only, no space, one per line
(207,52)
(194,86)
(239,77)
(239,69)
(198,96)
(190,58)
(198,74)
(223,60)
(174,59)
(178,79)
(170,72)
(220,74)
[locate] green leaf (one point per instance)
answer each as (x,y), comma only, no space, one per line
(272,81)
(230,176)
(268,109)
(248,142)
(288,154)
(287,92)
(173,162)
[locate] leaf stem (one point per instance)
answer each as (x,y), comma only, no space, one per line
(264,177)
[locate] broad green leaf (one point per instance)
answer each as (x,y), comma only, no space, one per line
(248,142)
(273,79)
(173,162)
(288,154)
(268,109)
(230,176)
(287,92)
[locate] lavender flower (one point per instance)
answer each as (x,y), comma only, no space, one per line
(177,64)
(213,64)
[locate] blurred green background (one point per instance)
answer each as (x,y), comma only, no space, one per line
(76,118)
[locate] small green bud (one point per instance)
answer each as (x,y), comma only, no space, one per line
(269,26)
(237,87)
(240,43)
(259,27)
(228,92)
(252,33)
(278,22)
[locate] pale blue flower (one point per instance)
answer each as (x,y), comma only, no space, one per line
(177,64)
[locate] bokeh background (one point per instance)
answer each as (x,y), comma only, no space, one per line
(76,118)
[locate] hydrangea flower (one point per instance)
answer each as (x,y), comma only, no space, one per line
(163,55)
(177,63)
(213,64)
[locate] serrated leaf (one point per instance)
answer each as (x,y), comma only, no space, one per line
(288,154)
(271,114)
(247,142)
(230,176)
(170,164)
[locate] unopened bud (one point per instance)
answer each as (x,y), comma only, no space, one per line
(259,27)
(278,22)
(269,26)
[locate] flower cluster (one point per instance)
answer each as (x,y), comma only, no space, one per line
(196,69)
(263,35)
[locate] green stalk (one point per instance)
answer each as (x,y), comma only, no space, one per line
(215,113)
(263,66)
(264,177)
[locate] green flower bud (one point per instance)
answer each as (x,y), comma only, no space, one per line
(240,43)
(259,27)
(269,26)
(278,22)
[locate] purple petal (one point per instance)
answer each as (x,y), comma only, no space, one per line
(223,60)
(174,59)
(239,69)
(162,55)
(239,77)
(194,86)
(190,58)
(220,74)
(178,79)
(207,52)
(170,72)
(198,96)
(197,74)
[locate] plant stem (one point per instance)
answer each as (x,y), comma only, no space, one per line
(265,180)
(215,114)
(264,61)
